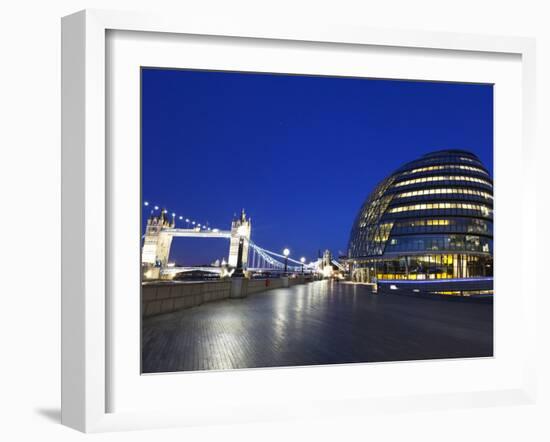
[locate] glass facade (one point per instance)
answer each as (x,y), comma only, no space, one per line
(431,219)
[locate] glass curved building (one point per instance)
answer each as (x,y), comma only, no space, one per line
(432,219)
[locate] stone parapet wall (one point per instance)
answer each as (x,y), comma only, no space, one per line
(163,297)
(168,297)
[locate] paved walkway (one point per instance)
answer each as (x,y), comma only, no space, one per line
(317,323)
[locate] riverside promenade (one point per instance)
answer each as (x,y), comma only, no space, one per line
(322,322)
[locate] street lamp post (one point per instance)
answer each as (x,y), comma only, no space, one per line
(239,273)
(286,252)
(302,260)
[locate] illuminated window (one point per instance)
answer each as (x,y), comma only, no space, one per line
(436,222)
(383,232)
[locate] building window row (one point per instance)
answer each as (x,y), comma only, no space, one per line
(445,166)
(470,243)
(440,266)
(439,191)
(440,160)
(442,178)
(484,210)
(459,225)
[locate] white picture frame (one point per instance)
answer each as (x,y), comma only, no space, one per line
(85,233)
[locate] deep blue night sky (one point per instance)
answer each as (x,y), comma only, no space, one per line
(299,153)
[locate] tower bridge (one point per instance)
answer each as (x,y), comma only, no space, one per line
(160,231)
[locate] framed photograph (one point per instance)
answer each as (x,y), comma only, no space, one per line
(268,222)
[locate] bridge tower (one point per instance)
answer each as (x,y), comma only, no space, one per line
(326,264)
(240,226)
(156,245)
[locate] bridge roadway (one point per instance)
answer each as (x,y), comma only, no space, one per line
(318,323)
(197,233)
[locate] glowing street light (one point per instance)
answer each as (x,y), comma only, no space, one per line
(302,260)
(145,203)
(156,207)
(286,252)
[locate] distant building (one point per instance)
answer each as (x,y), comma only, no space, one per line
(430,219)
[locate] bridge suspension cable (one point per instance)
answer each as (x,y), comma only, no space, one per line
(268,257)
(337,264)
